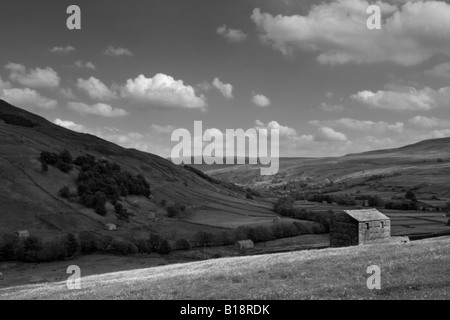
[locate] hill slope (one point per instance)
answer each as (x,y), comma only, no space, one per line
(418,270)
(29,200)
(424,167)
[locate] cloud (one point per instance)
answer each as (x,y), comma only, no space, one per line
(232,35)
(62,50)
(96,89)
(35,78)
(361,125)
(336,31)
(260,100)
(331,107)
(163,90)
(441,70)
(27,98)
(162,129)
(99,109)
(405,99)
(284,131)
(67,93)
(225,88)
(85,65)
(4,84)
(70,125)
(118,52)
(329,134)
(429,122)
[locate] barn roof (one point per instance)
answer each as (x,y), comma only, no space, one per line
(366,215)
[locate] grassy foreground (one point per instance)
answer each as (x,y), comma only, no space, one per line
(419,270)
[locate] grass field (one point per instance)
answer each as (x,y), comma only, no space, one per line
(418,270)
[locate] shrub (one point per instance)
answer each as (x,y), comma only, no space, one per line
(142,245)
(52,250)
(29,249)
(88,242)
(64,192)
(164,247)
(121,213)
(175,209)
(8,247)
(163,202)
(119,247)
(203,238)
(225,239)
(375,201)
(182,244)
(410,195)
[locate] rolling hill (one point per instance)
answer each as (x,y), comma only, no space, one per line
(29,197)
(423,167)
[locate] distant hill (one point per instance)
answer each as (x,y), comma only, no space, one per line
(423,166)
(426,148)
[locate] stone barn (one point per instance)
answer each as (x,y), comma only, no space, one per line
(23,234)
(245,244)
(355,227)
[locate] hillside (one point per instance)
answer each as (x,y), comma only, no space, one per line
(423,167)
(418,270)
(29,197)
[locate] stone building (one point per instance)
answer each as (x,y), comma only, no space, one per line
(245,244)
(355,227)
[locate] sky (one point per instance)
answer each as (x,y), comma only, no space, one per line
(138,70)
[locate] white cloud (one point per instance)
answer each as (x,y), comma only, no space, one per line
(35,78)
(331,107)
(70,125)
(67,93)
(118,52)
(232,35)
(162,129)
(441,70)
(405,99)
(362,125)
(4,84)
(85,65)
(225,88)
(260,100)
(163,90)
(329,134)
(64,50)
(96,89)
(284,131)
(99,109)
(27,98)
(429,122)
(411,32)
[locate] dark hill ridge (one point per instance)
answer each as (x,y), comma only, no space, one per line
(423,148)
(29,200)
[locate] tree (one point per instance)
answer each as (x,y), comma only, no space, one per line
(164,247)
(203,238)
(64,192)
(72,245)
(447,207)
(182,244)
(121,213)
(154,242)
(410,195)
(375,201)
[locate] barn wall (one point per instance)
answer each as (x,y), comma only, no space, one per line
(343,231)
(375,231)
